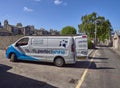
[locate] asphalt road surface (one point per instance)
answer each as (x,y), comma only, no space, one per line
(104,71)
(26,74)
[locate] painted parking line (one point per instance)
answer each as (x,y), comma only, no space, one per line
(80,82)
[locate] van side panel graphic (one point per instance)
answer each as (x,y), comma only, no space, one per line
(47,51)
(19,54)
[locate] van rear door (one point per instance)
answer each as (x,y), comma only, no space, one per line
(81,46)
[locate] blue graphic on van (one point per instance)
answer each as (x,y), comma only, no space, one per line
(58,52)
(47,51)
(63,43)
(20,55)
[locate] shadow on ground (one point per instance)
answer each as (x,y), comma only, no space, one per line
(95,58)
(79,64)
(10,80)
(91,64)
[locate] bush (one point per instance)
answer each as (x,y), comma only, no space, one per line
(90,44)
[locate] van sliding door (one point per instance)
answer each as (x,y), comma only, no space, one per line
(38,48)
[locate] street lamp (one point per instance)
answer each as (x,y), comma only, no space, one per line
(95,34)
(96,23)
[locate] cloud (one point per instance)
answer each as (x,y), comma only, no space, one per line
(57,2)
(26,9)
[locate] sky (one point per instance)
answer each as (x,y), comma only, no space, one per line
(56,14)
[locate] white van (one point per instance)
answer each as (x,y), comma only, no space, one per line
(81,46)
(57,49)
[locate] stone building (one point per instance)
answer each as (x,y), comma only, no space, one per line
(41,32)
(18,29)
(116,40)
(4,32)
(27,30)
(44,32)
(54,32)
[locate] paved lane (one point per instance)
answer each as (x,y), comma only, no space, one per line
(104,71)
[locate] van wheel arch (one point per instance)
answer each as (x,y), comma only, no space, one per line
(59,61)
(12,57)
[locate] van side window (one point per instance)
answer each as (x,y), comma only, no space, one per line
(39,42)
(22,42)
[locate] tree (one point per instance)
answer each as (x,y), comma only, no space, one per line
(68,30)
(92,21)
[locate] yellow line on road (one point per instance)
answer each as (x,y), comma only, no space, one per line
(84,74)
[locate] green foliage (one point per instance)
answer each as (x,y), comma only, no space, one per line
(68,30)
(90,44)
(92,21)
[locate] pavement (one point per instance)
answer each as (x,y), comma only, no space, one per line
(90,51)
(104,69)
(115,50)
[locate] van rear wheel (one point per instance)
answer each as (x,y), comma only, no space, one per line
(59,62)
(13,57)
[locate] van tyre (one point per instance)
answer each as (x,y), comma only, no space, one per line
(13,58)
(59,62)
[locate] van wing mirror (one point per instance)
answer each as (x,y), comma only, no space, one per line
(16,44)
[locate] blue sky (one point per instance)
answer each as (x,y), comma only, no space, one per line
(56,14)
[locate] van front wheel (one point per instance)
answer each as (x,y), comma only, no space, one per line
(13,57)
(59,62)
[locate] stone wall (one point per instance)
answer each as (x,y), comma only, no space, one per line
(119,45)
(5,41)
